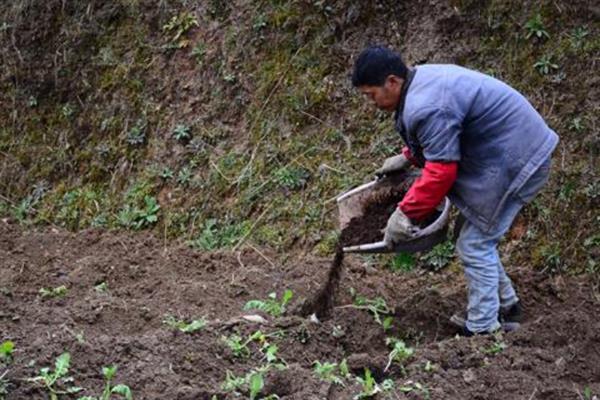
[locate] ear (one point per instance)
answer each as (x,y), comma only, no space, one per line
(394,81)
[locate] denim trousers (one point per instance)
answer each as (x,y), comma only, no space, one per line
(489,287)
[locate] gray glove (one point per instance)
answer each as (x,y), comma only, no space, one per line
(393,164)
(398,229)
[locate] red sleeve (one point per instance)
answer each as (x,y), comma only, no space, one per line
(428,190)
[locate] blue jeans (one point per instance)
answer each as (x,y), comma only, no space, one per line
(488,285)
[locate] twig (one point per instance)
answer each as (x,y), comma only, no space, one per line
(533,394)
(219,171)
(260,253)
(243,239)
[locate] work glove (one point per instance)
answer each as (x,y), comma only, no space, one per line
(392,165)
(398,229)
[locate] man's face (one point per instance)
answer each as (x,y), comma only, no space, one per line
(386,96)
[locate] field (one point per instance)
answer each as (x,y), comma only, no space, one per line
(167,177)
(121,288)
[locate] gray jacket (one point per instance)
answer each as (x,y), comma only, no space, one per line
(450,113)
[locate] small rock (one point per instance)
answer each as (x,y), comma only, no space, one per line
(469,376)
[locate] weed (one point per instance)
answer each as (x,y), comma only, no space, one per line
(123,390)
(440,256)
(291,178)
(588,395)
(52,379)
(59,291)
(136,136)
(6,351)
(178,26)
(166,174)
(578,36)
(184,176)
(271,305)
(214,236)
(67,111)
(545,65)
(400,352)
(403,262)
(198,52)
(138,218)
(182,133)
(577,124)
(535,27)
(181,325)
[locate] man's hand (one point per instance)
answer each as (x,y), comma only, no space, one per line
(398,229)
(392,165)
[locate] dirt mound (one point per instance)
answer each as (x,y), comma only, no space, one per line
(120,288)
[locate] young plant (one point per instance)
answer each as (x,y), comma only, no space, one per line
(535,27)
(271,306)
(370,387)
(377,306)
(109,390)
(181,133)
(185,327)
(328,372)
(6,351)
(440,256)
(400,352)
(237,345)
(545,65)
(51,379)
(59,291)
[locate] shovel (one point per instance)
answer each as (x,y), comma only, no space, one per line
(351,204)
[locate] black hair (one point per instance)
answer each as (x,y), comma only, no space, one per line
(375,64)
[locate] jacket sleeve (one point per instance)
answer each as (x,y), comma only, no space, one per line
(429,189)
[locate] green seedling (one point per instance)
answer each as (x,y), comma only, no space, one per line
(411,386)
(535,27)
(184,176)
(252,382)
(51,379)
(545,65)
(370,387)
(578,36)
(109,390)
(237,345)
(6,351)
(377,306)
(102,287)
(271,306)
(403,262)
(183,326)
(400,352)
(497,347)
(166,174)
(328,372)
(577,124)
(181,132)
(256,383)
(59,291)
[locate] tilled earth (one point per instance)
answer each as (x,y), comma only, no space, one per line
(556,354)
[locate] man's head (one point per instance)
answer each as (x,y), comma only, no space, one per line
(379,73)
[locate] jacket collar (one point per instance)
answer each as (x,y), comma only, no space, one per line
(400,109)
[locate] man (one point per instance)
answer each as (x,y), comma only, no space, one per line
(480,143)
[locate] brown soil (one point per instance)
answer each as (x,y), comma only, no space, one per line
(555,355)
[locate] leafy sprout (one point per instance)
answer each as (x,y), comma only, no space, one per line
(535,27)
(6,351)
(183,326)
(400,352)
(271,305)
(59,291)
(51,379)
(120,389)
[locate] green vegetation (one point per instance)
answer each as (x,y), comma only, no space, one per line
(120,389)
(377,307)
(370,387)
(57,382)
(6,351)
(535,28)
(400,352)
(331,372)
(271,305)
(60,291)
(185,327)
